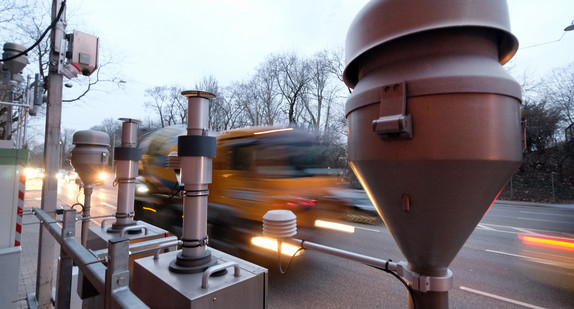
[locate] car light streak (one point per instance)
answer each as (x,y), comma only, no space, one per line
(150,209)
(271,244)
(142,189)
(273,131)
(335,226)
(102,176)
(547,242)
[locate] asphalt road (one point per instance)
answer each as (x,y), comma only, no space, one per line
(494,269)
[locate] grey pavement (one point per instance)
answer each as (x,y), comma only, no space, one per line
(28,259)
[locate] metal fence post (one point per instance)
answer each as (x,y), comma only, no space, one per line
(64,282)
(117,273)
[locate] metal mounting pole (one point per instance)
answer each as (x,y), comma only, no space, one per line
(117,273)
(127,157)
(64,286)
(47,245)
(195,150)
(88,190)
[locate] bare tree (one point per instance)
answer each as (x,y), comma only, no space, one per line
(168,104)
(292,78)
(66,139)
(267,94)
(542,124)
(219,109)
(559,92)
(322,88)
(112,127)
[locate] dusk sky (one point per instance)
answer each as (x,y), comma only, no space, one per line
(177,42)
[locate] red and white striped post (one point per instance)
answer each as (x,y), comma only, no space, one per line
(21,194)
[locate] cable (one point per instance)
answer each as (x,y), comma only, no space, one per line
(177,190)
(291,260)
(77,204)
(409,288)
(41,37)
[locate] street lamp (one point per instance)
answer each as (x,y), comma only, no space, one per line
(568,28)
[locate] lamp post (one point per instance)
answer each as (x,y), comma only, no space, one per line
(568,28)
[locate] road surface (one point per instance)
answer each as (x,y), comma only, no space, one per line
(494,269)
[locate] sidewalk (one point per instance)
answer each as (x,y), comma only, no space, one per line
(29,244)
(29,258)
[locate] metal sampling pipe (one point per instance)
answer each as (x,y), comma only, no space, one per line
(88,189)
(196,150)
(127,157)
(196,175)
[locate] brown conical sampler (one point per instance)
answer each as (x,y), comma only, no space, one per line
(434,119)
(90,155)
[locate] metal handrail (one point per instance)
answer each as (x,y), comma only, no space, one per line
(92,268)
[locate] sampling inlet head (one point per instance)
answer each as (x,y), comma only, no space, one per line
(434,120)
(17,64)
(90,155)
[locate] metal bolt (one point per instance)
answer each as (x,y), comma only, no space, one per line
(121,280)
(406,202)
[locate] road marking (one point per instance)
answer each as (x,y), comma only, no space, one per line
(532,219)
(367,229)
(545,213)
(509,300)
(533,259)
(512,254)
(507,229)
(484,227)
(527,231)
(109,205)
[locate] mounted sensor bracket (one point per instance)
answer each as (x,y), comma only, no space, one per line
(393,122)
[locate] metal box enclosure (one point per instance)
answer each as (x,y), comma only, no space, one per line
(98,237)
(9,272)
(158,287)
(84,52)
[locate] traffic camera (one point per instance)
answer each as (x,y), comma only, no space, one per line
(82,54)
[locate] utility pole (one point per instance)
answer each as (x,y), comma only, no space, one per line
(47,245)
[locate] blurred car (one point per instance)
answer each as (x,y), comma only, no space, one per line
(256,169)
(102,176)
(34,173)
(70,176)
(547,258)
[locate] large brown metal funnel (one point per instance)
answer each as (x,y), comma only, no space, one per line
(434,126)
